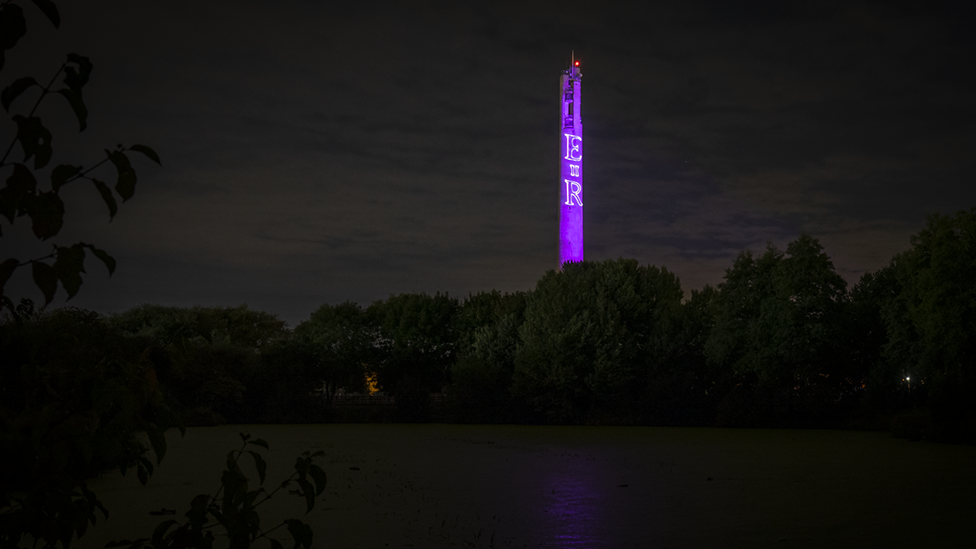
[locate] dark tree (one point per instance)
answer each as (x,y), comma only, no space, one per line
(415,348)
(878,320)
(681,388)
(780,330)
(488,327)
(489,324)
(212,368)
(931,321)
(76,398)
(590,337)
(176,326)
(341,341)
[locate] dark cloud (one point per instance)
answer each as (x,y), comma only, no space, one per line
(318,152)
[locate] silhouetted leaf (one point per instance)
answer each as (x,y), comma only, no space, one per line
(300,532)
(157,439)
(146,151)
(81,520)
(45,279)
(318,475)
(235,486)
(275,544)
(61,174)
(217,514)
(68,266)
(235,471)
(6,269)
(94,502)
(77,105)
(250,497)
(46,211)
(144,469)
(108,197)
(309,492)
(126,185)
(15,89)
(108,260)
(159,533)
(12,26)
(301,466)
(50,10)
(260,442)
(259,464)
(76,79)
(18,191)
(199,503)
(34,139)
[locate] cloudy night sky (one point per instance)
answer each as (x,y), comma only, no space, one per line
(318,152)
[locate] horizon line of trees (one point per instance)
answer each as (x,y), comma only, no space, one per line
(781,342)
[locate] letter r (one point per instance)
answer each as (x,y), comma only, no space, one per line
(573,190)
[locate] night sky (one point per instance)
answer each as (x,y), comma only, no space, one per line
(317,152)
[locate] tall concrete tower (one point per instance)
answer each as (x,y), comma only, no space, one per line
(570,167)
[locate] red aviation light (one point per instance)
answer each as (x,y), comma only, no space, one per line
(577,63)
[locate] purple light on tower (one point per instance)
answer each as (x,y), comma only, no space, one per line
(571,167)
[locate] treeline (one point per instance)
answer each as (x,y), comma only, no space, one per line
(781,342)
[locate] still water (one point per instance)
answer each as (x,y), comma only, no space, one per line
(435,486)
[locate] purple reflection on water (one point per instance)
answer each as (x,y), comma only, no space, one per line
(574,513)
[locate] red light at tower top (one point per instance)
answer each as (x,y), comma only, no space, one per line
(576,63)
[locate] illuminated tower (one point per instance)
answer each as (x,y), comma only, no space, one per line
(570,168)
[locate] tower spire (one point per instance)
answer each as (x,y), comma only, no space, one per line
(571,166)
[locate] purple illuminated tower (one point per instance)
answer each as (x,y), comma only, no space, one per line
(570,167)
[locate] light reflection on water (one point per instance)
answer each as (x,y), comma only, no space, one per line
(574,511)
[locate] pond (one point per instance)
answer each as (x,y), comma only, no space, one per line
(435,486)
